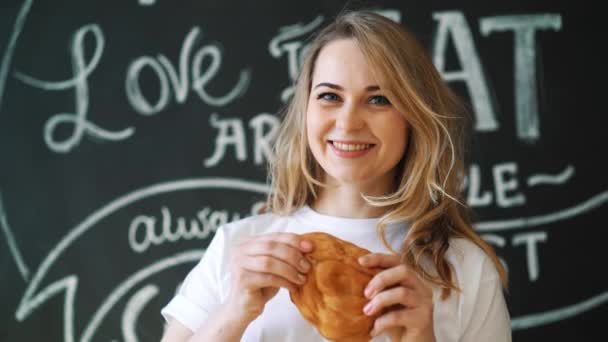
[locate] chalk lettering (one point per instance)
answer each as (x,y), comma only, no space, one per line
(201,79)
(530,240)
(143,232)
(78,121)
(474,196)
(504,185)
(180,82)
(524,28)
(134,94)
(286,42)
(453,24)
(265,129)
(230,133)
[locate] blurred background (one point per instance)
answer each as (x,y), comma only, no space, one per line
(130,130)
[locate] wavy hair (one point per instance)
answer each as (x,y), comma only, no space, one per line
(430,175)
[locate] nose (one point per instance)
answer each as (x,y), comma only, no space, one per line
(349,118)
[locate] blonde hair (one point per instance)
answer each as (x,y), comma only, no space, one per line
(431,173)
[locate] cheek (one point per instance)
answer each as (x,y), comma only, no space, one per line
(397,136)
(314,126)
(312,133)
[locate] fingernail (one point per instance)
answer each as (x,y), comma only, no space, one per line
(362,260)
(368,292)
(302,278)
(368,308)
(305,265)
(306,245)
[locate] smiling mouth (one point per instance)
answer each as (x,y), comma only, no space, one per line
(348,147)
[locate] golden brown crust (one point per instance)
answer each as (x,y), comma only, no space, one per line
(332,298)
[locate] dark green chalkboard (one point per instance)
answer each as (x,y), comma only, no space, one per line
(129,130)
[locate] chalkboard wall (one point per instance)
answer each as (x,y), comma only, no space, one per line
(130,130)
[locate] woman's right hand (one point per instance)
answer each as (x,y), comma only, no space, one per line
(260,266)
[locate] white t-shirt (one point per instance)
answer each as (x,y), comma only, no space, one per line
(478,313)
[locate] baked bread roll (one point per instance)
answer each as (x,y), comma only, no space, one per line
(332,298)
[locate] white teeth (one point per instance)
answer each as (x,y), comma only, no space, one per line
(351,147)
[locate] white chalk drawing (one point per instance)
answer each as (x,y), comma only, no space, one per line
(505,181)
(33,297)
(530,241)
(506,186)
(189,76)
(526,222)
(133,309)
(524,28)
(169,78)
(453,24)
(122,289)
(560,314)
(265,129)
(12,243)
(182,82)
(78,121)
(12,44)
(174,229)
(472,184)
(231,133)
(558,179)
(290,40)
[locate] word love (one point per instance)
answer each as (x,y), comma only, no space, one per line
(169,78)
(189,76)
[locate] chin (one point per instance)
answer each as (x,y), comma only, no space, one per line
(349,178)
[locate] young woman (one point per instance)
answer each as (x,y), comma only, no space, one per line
(370,151)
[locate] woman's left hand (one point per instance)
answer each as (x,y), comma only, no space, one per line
(403,299)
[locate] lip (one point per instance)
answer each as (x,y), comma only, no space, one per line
(349,154)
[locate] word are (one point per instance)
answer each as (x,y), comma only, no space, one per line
(231,134)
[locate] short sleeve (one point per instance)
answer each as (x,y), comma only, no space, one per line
(489,318)
(200,293)
(477,311)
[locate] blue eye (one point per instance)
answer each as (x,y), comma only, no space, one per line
(327,97)
(379,100)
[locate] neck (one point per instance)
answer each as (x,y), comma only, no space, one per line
(346,200)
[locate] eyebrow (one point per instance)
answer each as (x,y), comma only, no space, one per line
(337,87)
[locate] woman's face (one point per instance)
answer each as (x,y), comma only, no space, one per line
(353,131)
